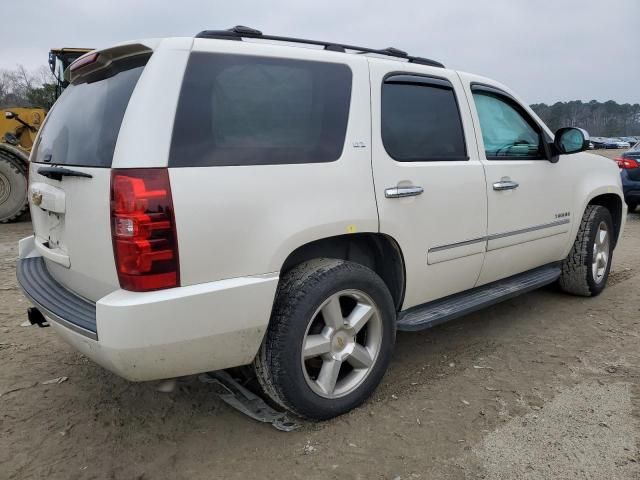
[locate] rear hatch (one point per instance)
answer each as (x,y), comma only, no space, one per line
(70,173)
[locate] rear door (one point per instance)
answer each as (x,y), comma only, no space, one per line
(70,173)
(430,183)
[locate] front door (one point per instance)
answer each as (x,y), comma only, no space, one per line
(529,197)
(429,181)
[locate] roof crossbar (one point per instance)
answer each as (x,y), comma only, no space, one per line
(239,32)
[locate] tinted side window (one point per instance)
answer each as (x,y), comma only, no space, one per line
(421,121)
(506,132)
(247,110)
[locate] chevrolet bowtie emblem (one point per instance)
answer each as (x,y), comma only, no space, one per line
(36,198)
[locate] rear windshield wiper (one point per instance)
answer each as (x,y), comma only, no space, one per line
(56,173)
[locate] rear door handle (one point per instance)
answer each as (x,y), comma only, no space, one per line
(505,184)
(400,192)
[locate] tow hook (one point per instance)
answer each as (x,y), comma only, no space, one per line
(36,318)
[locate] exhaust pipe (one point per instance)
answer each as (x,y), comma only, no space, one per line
(36,318)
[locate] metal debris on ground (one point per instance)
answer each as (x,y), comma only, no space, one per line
(55,381)
(247,402)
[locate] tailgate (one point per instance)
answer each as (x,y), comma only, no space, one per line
(70,173)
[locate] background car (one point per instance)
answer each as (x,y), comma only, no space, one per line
(621,143)
(629,163)
(630,140)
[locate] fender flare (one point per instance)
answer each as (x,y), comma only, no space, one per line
(594,193)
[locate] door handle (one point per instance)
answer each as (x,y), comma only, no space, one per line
(400,192)
(505,184)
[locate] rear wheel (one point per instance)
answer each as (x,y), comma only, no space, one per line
(632,206)
(330,339)
(586,270)
(13,187)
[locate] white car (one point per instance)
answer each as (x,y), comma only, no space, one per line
(619,143)
(203,203)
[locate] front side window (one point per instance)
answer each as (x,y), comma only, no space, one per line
(421,120)
(506,132)
(245,110)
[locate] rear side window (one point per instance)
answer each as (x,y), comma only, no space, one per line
(421,120)
(83,126)
(248,110)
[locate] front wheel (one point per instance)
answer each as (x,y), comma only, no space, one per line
(330,338)
(586,270)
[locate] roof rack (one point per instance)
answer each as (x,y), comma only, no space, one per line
(239,32)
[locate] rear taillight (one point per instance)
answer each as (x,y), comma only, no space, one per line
(627,163)
(143,229)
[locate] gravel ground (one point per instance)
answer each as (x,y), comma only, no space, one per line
(542,386)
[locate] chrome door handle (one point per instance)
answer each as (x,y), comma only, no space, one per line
(505,184)
(399,192)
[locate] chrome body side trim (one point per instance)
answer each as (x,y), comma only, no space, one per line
(457,244)
(495,236)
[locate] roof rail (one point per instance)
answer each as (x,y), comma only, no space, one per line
(239,32)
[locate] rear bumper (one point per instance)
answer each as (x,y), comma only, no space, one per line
(630,187)
(161,334)
(55,301)
(632,195)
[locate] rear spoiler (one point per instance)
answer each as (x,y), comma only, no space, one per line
(101,61)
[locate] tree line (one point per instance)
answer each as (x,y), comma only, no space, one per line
(20,87)
(600,119)
(23,88)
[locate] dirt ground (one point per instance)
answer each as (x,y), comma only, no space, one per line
(542,386)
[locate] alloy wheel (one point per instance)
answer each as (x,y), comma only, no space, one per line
(341,343)
(600,253)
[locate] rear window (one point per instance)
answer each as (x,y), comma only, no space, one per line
(83,126)
(248,110)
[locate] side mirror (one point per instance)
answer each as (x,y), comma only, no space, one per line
(9,115)
(571,140)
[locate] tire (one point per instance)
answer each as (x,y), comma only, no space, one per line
(579,276)
(304,295)
(13,188)
(632,206)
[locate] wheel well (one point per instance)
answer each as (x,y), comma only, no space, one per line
(613,203)
(376,251)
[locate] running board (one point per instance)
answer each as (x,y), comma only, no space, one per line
(439,311)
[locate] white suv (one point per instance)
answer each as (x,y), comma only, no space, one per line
(232,199)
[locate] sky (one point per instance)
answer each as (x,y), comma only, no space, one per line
(545,50)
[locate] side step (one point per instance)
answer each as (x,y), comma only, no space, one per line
(439,311)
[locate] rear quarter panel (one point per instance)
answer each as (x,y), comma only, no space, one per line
(245,220)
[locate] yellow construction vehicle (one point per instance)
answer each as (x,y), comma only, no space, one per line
(18,129)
